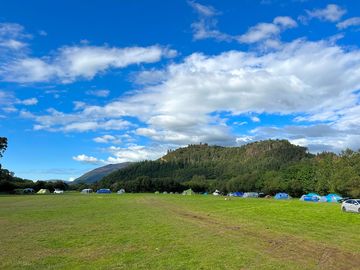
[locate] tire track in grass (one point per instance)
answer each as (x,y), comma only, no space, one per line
(283,247)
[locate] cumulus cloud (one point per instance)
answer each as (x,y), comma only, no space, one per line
(331,13)
(135,152)
(315,81)
(79,62)
(354,21)
(87,159)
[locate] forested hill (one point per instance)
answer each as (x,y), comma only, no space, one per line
(268,166)
(270,153)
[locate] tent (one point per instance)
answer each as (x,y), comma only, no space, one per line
(86,191)
(188,192)
(165,192)
(121,191)
(43,191)
(28,191)
(310,197)
(332,197)
(238,194)
(157,192)
(103,191)
(282,196)
(251,195)
(216,193)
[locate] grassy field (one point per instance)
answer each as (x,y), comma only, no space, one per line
(147,231)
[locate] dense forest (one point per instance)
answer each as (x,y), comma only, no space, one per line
(267,166)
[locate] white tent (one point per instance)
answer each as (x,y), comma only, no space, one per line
(216,193)
(121,191)
(251,195)
(87,191)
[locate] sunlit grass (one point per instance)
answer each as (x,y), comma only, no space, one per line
(147,231)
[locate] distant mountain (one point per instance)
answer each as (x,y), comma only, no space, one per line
(98,173)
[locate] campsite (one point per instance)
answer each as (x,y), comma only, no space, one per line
(180,135)
(172,231)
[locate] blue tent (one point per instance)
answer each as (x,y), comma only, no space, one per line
(282,196)
(310,197)
(103,190)
(331,198)
(238,194)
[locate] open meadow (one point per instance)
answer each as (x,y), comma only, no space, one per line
(147,231)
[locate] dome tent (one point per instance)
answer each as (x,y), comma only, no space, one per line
(121,191)
(216,193)
(188,192)
(43,191)
(251,195)
(238,194)
(86,191)
(332,197)
(282,196)
(310,197)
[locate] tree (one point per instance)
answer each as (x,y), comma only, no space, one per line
(3,145)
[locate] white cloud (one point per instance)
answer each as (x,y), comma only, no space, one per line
(29,101)
(9,103)
(206,26)
(79,62)
(203,10)
(77,122)
(355,21)
(264,31)
(106,139)
(255,119)
(331,13)
(12,36)
(87,159)
(316,80)
(98,93)
(136,153)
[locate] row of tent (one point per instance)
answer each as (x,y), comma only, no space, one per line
(314,197)
(101,191)
(41,191)
(278,196)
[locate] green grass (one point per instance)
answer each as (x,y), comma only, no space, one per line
(146,231)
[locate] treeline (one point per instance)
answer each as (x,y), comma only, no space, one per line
(9,183)
(268,166)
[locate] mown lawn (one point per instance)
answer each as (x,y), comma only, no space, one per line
(147,231)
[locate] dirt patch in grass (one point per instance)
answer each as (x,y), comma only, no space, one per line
(283,247)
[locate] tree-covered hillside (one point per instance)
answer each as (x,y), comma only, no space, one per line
(268,166)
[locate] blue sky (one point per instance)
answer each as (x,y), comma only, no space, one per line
(112,81)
